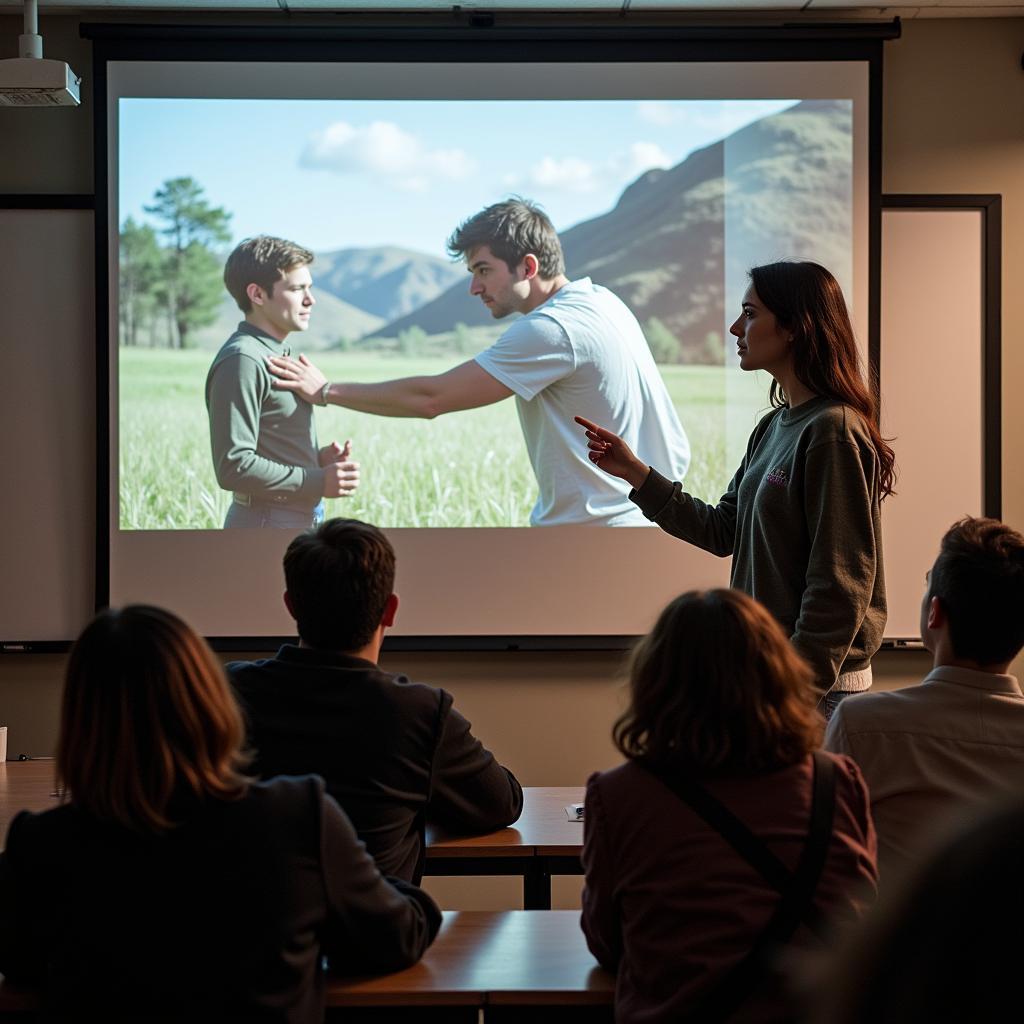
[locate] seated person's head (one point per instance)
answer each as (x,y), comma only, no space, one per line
(511,230)
(716,689)
(340,581)
(148,728)
(930,951)
(973,608)
(261,261)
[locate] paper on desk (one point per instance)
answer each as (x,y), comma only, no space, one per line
(574,812)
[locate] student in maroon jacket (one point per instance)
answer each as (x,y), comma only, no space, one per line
(722,711)
(395,754)
(168,885)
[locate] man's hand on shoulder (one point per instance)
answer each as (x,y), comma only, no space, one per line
(341,474)
(299,376)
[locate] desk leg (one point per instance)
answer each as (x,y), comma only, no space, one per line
(537,885)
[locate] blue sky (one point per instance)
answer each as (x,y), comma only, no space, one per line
(341,174)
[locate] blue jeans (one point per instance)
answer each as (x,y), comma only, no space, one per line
(831,700)
(275,516)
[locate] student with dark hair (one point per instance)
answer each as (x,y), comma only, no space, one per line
(169,885)
(575,345)
(943,945)
(395,754)
(800,518)
(264,443)
(957,739)
(724,841)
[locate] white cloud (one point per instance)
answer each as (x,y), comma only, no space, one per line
(566,173)
(656,112)
(573,174)
(645,156)
(383,148)
(715,120)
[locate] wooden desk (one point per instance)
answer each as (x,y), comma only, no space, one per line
(479,960)
(542,843)
(492,958)
(24,786)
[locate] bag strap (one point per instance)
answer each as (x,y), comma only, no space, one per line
(797,888)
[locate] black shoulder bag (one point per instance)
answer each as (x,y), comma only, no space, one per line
(796,888)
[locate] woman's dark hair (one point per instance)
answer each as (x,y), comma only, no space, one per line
(148,724)
(717,689)
(807,301)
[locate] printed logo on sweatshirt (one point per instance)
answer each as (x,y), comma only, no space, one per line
(778,477)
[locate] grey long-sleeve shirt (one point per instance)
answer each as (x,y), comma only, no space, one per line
(263,440)
(801,521)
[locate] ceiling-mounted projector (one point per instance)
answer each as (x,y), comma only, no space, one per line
(30,81)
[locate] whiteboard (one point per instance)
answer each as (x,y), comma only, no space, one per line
(48,423)
(932,377)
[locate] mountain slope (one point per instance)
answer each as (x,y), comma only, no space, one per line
(386,281)
(330,321)
(662,248)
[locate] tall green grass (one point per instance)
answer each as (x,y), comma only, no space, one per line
(464,469)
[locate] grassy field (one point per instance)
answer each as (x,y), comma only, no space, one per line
(465,469)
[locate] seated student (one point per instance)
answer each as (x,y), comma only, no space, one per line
(722,840)
(958,737)
(943,946)
(395,754)
(169,885)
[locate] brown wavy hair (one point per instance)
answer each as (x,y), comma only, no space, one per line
(263,260)
(807,301)
(149,727)
(717,689)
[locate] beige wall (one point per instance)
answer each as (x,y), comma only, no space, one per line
(954,122)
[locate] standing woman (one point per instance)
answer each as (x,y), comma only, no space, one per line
(801,515)
(169,886)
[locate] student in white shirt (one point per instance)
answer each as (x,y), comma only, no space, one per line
(577,346)
(939,749)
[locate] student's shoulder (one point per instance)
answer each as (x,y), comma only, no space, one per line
(623,783)
(407,693)
(863,713)
(44,831)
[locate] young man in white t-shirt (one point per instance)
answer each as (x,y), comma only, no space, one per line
(576,350)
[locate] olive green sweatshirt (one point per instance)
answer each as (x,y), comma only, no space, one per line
(801,521)
(263,440)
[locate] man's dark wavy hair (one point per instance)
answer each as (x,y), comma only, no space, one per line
(339,577)
(511,230)
(979,579)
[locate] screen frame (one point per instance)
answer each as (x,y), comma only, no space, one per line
(488,43)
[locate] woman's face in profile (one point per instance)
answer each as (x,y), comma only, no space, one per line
(760,342)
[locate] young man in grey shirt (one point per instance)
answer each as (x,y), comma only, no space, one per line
(263,440)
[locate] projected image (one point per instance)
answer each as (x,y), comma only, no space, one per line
(664,204)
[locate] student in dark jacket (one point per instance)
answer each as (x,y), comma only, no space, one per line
(170,886)
(721,708)
(395,754)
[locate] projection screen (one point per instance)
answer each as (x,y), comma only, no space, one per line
(665,180)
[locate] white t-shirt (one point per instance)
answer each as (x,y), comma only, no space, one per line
(582,353)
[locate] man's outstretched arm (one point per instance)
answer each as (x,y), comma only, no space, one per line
(466,386)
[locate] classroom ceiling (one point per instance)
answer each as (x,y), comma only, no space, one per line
(903,8)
